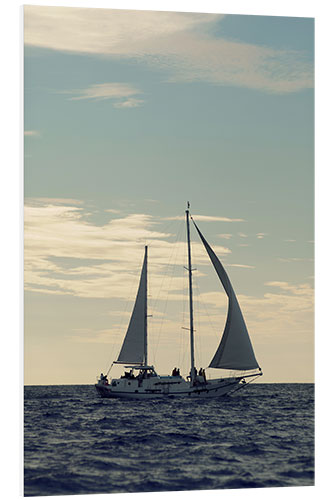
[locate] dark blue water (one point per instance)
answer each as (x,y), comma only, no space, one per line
(77,443)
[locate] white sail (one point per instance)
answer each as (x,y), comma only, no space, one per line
(134,348)
(235,351)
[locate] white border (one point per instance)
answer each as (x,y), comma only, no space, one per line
(11,230)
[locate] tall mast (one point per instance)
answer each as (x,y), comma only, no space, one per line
(145,314)
(190,292)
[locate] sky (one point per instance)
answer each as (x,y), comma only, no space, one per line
(127,115)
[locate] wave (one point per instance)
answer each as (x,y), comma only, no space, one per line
(77,443)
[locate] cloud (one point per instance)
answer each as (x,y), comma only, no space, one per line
(283,319)
(31,133)
(184,45)
(245,266)
(294,259)
(207,218)
(211,218)
(290,298)
(66,253)
(225,236)
(38,202)
(287,313)
(129,103)
(122,93)
(302,289)
(260,236)
(104,31)
(107,336)
(112,210)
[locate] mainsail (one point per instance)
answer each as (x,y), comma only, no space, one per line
(235,351)
(134,348)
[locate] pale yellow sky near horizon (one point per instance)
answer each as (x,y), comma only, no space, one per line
(129,114)
(82,320)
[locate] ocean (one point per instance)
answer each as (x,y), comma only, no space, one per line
(77,443)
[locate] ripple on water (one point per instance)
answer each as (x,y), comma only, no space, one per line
(77,443)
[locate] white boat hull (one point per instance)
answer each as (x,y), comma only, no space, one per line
(158,388)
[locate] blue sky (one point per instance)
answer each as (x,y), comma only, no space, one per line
(129,115)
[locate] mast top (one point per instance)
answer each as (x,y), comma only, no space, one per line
(188,205)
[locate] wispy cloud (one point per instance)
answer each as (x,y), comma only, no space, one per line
(295,259)
(31,133)
(121,93)
(42,202)
(225,236)
(66,253)
(260,236)
(89,336)
(112,210)
(245,266)
(287,311)
(184,45)
(104,31)
(208,218)
(302,289)
(129,103)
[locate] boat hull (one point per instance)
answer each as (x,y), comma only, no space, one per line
(211,389)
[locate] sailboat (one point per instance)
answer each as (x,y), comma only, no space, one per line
(234,352)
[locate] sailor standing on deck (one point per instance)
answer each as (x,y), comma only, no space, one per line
(103,379)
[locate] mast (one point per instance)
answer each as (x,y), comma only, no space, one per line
(145,355)
(190,292)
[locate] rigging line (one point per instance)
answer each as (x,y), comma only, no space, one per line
(171,276)
(214,328)
(168,263)
(164,230)
(175,250)
(125,310)
(198,309)
(185,305)
(107,373)
(199,324)
(241,386)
